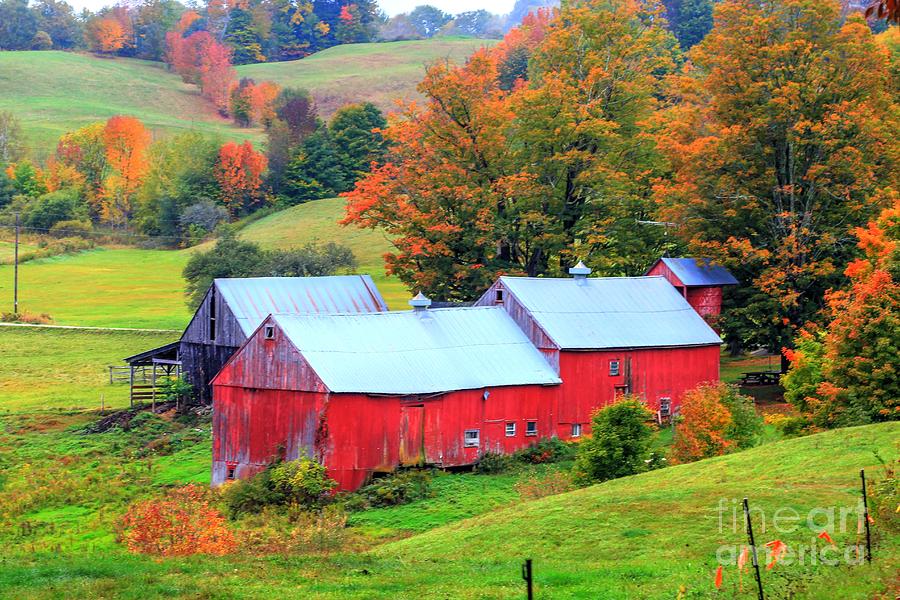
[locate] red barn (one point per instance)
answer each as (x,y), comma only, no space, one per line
(366,393)
(698,280)
(611,336)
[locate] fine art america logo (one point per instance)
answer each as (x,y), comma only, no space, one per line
(825,524)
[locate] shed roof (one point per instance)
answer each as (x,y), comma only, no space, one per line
(611,312)
(699,271)
(252,299)
(409,352)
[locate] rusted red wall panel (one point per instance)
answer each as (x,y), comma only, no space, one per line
(270,364)
(523,319)
(706,300)
(655,373)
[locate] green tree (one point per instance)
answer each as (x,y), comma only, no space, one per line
(57,18)
(230,257)
(428,20)
(243,38)
(18,24)
(619,444)
(315,170)
(355,132)
(49,209)
(689,20)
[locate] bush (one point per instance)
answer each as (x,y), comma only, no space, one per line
(303,482)
(180,524)
(398,488)
(291,531)
(619,444)
(26,317)
(176,390)
(715,419)
(72,228)
(494,462)
(547,450)
(532,488)
(50,209)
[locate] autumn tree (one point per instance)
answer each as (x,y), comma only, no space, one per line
(780,133)
(105,35)
(714,419)
(126,141)
(848,373)
(483,180)
(240,175)
(85,151)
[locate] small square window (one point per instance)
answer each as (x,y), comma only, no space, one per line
(510,430)
(230,472)
(472,438)
(576,430)
(665,407)
(613,368)
(531,428)
(499,295)
(269,332)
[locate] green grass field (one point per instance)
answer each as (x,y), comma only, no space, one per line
(650,536)
(381,73)
(131,287)
(44,369)
(55,92)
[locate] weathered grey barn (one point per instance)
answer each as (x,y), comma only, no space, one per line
(232,309)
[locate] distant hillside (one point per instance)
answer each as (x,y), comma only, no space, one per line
(56,92)
(379,73)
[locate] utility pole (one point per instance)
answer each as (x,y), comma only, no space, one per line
(16,271)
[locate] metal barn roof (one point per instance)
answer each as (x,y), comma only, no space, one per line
(417,352)
(699,272)
(252,299)
(611,312)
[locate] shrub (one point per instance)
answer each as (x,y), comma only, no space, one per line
(533,487)
(176,390)
(398,488)
(71,228)
(547,450)
(180,524)
(494,462)
(715,419)
(303,482)
(294,530)
(619,444)
(50,209)
(26,317)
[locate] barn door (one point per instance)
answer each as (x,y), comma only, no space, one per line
(412,435)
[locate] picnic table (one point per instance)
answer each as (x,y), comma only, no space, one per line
(760,378)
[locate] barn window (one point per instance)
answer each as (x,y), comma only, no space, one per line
(510,430)
(665,407)
(472,438)
(576,430)
(229,474)
(270,332)
(531,428)
(614,368)
(212,314)
(499,295)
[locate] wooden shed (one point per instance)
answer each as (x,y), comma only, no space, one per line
(607,336)
(233,308)
(699,280)
(368,393)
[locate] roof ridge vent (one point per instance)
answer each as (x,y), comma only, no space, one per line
(420,302)
(580,271)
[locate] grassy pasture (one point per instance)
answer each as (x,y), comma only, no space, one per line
(381,73)
(44,369)
(56,92)
(650,536)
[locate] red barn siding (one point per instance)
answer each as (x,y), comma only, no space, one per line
(706,300)
(655,373)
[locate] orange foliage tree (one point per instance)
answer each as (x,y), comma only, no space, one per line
(857,379)
(493,176)
(703,422)
(105,35)
(180,524)
(201,59)
(780,131)
(126,141)
(240,176)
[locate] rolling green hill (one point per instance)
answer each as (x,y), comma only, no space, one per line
(131,287)
(379,73)
(652,536)
(56,92)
